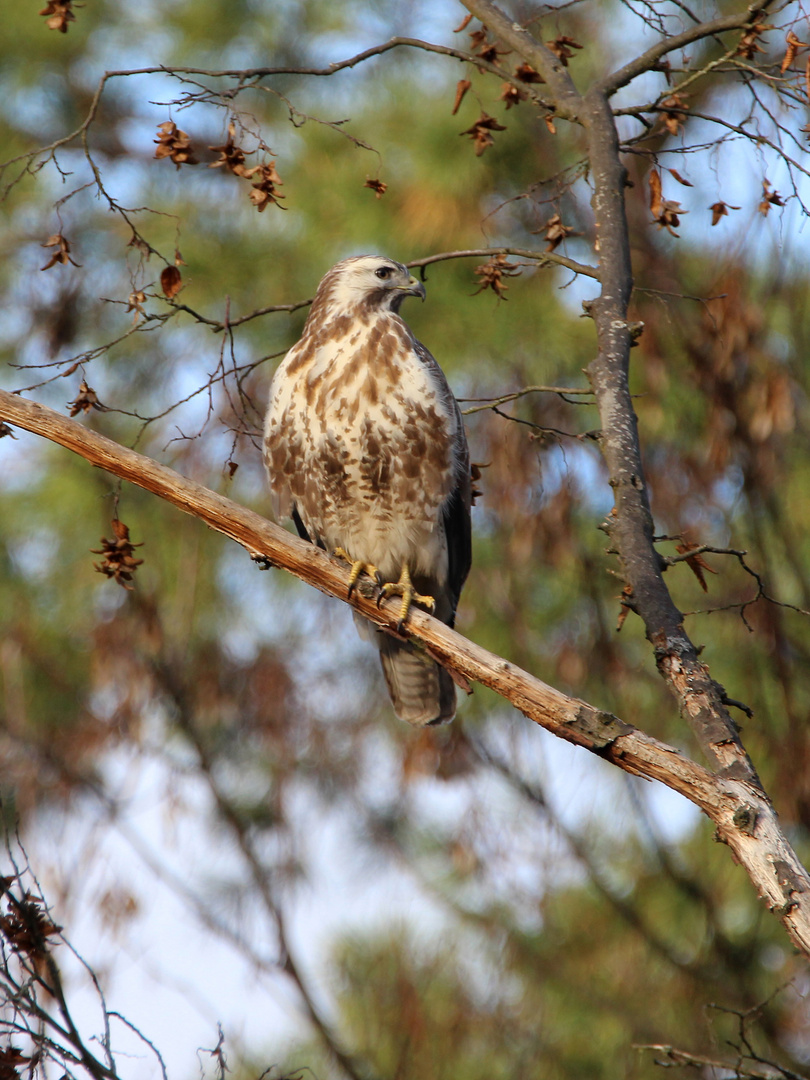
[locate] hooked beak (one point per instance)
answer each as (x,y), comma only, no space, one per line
(414,288)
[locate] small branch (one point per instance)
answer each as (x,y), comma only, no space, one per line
(647,60)
(562,391)
(542,258)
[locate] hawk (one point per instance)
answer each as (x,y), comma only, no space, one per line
(366,452)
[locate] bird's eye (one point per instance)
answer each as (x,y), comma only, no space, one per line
(383,272)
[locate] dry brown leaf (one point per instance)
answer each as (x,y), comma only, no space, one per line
(119,561)
(174,144)
(511,95)
(377,186)
(61,255)
(556,232)
(265,189)
(696,563)
(720,209)
(231,156)
(562,46)
(481,132)
(85,400)
(749,43)
(492,274)
(677,176)
(792,47)
(171,281)
(769,199)
(526,73)
(60,14)
(135,303)
(465,22)
(462,86)
(672,109)
(626,608)
(666,213)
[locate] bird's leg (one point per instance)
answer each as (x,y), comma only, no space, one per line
(404,588)
(358,567)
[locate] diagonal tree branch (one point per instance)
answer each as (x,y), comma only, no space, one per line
(740,810)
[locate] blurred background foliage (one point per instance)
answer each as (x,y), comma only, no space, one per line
(506,907)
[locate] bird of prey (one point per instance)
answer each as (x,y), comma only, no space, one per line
(366,452)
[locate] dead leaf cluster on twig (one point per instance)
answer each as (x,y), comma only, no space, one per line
(377,186)
(512,95)
(488,50)
(562,48)
(85,400)
(481,132)
(174,144)
(59,14)
(492,273)
(720,210)
(555,231)
(266,181)
(769,198)
(231,156)
(119,561)
(672,110)
(62,254)
(749,44)
(26,926)
(665,212)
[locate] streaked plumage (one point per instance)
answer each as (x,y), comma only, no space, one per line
(365,448)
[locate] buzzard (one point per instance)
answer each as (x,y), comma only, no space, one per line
(366,452)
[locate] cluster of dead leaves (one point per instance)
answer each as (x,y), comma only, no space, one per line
(174,144)
(59,14)
(85,400)
(667,213)
(11,1057)
(561,47)
(266,181)
(26,926)
(489,51)
(62,254)
(769,199)
(119,560)
(555,231)
(749,44)
(672,109)
(481,132)
(492,273)
(377,186)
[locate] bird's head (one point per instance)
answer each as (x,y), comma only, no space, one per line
(371,282)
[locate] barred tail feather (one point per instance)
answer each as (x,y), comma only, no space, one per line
(421,691)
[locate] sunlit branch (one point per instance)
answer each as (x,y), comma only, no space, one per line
(741,811)
(542,258)
(647,60)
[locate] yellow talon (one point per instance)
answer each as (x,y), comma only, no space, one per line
(404,588)
(358,567)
